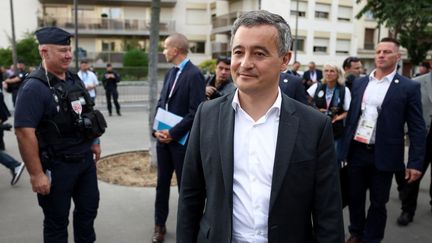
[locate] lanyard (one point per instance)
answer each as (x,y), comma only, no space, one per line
(172,89)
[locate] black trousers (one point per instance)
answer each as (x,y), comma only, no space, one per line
(76,181)
(114,94)
(170,158)
(409,191)
(363,176)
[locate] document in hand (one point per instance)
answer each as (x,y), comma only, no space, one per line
(166,120)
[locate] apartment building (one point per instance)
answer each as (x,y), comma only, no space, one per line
(324,30)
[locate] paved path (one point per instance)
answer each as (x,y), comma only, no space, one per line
(126,213)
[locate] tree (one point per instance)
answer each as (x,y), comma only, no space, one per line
(407,20)
(153,77)
(135,63)
(27,50)
(5,57)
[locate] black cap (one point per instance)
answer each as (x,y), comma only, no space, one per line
(53,35)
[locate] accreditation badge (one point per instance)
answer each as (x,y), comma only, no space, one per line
(76,106)
(365,130)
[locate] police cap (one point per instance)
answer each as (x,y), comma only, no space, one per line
(53,35)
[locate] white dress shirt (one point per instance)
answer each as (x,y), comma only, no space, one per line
(89,78)
(373,98)
(254,153)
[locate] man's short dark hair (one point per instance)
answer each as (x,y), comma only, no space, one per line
(347,62)
(224,59)
(108,65)
(426,65)
(84,61)
(390,39)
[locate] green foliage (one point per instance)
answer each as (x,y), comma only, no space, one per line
(27,50)
(409,21)
(135,58)
(5,57)
(208,66)
(135,64)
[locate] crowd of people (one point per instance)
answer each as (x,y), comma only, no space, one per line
(259,149)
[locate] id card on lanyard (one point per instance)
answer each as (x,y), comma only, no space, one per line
(367,123)
(172,89)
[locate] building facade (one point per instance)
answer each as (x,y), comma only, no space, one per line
(324,30)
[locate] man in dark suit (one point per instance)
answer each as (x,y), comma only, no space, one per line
(312,75)
(182,92)
(409,191)
(382,103)
(250,173)
(293,87)
(294,69)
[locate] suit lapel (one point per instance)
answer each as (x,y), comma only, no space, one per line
(226,145)
(392,90)
(180,78)
(287,134)
(359,98)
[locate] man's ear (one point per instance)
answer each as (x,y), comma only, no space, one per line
(285,60)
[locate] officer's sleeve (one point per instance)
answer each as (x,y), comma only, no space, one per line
(30,103)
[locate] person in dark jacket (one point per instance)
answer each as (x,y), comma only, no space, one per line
(110,80)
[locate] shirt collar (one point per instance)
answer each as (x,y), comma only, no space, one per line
(276,105)
(183,64)
(388,78)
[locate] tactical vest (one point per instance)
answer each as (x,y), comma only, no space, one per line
(335,107)
(75,121)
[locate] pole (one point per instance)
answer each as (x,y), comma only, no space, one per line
(296,31)
(14,52)
(76,34)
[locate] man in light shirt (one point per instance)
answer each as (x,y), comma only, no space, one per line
(382,103)
(89,78)
(259,166)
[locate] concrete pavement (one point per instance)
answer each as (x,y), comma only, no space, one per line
(126,213)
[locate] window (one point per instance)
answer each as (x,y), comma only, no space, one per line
(112,13)
(300,44)
(369,38)
(344,13)
(108,45)
(197,46)
(196,16)
(343,46)
(302,7)
(322,11)
(320,45)
(369,15)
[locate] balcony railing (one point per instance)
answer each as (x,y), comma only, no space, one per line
(220,47)
(369,46)
(98,24)
(146,3)
(226,20)
(111,57)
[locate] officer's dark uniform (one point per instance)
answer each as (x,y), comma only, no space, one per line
(65,140)
(13,88)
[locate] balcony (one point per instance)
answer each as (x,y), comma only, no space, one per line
(223,23)
(107,26)
(146,3)
(220,47)
(100,59)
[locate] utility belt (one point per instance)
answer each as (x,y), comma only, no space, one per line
(48,158)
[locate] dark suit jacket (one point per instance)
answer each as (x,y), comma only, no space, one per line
(402,104)
(305,183)
(188,93)
(306,75)
(293,87)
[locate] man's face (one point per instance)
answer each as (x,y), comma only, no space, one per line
(58,57)
(223,71)
(386,56)
(355,69)
(423,70)
(296,66)
(109,68)
(311,66)
(255,62)
(21,66)
(84,67)
(169,51)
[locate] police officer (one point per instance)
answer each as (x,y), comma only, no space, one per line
(57,131)
(13,83)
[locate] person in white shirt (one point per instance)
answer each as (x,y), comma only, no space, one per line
(259,167)
(89,79)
